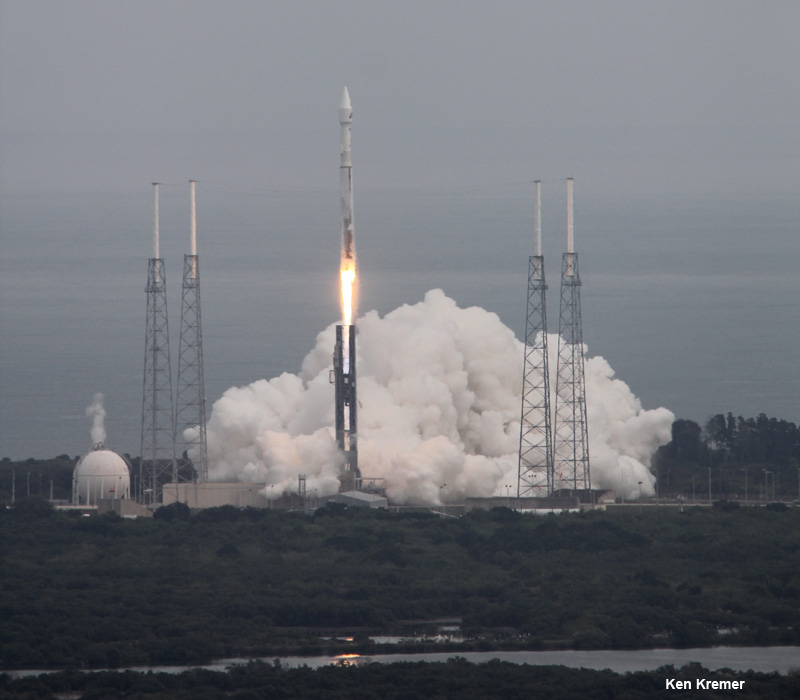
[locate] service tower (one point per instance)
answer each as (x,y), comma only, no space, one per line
(190,400)
(535,476)
(157,449)
(571,437)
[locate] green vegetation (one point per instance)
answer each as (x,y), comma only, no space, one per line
(101,591)
(754,457)
(180,588)
(410,681)
(35,477)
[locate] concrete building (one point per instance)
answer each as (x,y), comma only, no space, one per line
(359,499)
(124,507)
(215,494)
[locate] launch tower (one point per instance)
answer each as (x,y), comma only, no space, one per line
(535,477)
(190,413)
(157,461)
(571,438)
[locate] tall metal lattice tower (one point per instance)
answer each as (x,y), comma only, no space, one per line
(158,420)
(535,476)
(190,413)
(571,437)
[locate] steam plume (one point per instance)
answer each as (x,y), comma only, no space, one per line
(98,415)
(440,393)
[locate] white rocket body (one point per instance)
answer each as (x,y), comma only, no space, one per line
(346,179)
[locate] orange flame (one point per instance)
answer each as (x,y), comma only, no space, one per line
(348,273)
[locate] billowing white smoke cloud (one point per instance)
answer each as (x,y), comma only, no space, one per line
(439,389)
(622,436)
(98,414)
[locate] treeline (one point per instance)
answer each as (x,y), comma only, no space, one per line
(101,591)
(52,478)
(455,678)
(754,457)
(37,477)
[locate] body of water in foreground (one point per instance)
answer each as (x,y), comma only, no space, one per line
(760,659)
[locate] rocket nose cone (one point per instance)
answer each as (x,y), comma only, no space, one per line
(345,103)
(345,110)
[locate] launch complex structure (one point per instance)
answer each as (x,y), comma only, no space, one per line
(190,399)
(157,455)
(165,423)
(552,458)
(535,476)
(553,450)
(163,420)
(557,458)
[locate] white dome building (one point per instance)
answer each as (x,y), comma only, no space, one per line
(100,474)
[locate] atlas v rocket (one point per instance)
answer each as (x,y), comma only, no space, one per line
(344,355)
(346,179)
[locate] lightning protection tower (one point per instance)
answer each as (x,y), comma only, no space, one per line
(158,420)
(535,477)
(190,414)
(571,438)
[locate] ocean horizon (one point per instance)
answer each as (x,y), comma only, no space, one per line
(694,302)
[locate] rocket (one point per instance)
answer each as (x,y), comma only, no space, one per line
(346,179)
(344,354)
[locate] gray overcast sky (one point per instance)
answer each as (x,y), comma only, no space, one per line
(637,96)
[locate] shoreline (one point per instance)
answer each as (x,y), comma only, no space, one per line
(782,659)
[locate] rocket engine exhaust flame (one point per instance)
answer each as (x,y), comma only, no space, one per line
(347,267)
(348,273)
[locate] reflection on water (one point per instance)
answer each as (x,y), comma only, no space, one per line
(760,659)
(350,660)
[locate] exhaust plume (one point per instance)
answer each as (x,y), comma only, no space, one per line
(98,415)
(440,394)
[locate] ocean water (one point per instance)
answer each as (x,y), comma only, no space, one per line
(694,302)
